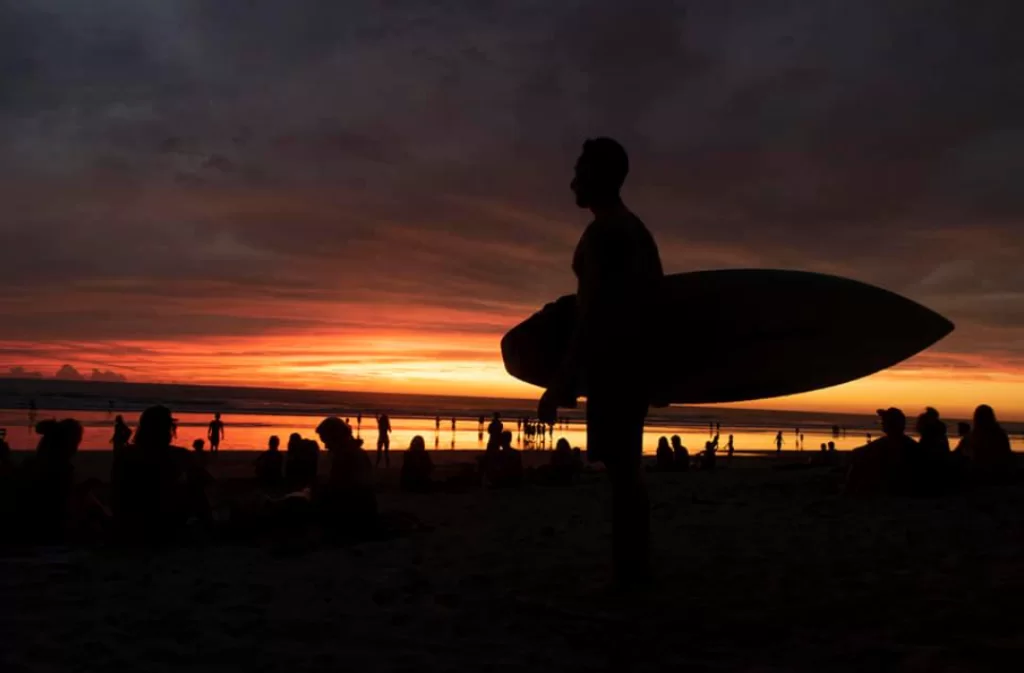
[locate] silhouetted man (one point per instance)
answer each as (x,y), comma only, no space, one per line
(384,438)
(495,429)
(619,274)
(215,433)
(122,434)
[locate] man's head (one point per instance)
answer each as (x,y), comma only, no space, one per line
(600,171)
(506,440)
(274,443)
(894,421)
(334,433)
(216,416)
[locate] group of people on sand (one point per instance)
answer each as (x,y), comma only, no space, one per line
(675,457)
(897,464)
(157,490)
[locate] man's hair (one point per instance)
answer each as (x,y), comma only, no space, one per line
(608,160)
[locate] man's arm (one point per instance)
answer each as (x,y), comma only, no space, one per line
(562,391)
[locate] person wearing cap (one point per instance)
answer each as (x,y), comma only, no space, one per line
(883,466)
(349,503)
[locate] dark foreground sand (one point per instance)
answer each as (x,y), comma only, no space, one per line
(758,570)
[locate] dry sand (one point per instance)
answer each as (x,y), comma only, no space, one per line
(758,570)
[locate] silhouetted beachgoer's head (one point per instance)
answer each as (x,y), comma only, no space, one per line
(677,442)
(929,421)
(119,419)
(156,427)
(894,421)
(985,419)
(217,416)
(274,443)
(600,172)
(294,440)
(58,440)
(663,443)
(824,446)
(963,429)
(334,433)
(831,446)
(506,440)
(563,445)
(198,445)
(418,444)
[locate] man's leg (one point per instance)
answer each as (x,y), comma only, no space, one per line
(387,452)
(615,430)
(380,445)
(631,518)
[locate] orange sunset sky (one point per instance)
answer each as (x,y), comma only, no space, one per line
(344,196)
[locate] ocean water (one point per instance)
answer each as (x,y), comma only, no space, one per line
(247,431)
(252,415)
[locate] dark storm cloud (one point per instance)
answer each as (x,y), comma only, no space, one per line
(344,152)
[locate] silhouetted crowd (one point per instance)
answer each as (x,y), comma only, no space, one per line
(157,491)
(899,465)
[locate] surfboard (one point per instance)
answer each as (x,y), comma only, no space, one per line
(749,334)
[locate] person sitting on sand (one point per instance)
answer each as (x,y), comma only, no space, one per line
(992,457)
(46,481)
(156,486)
(349,502)
(507,470)
(663,456)
(932,432)
(417,468)
(680,456)
(883,466)
(300,467)
(562,469)
(270,466)
(934,457)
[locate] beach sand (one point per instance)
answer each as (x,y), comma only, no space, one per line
(758,569)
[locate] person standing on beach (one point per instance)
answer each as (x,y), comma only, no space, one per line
(122,434)
(495,429)
(729,449)
(215,433)
(778,443)
(383,438)
(437,425)
(619,275)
